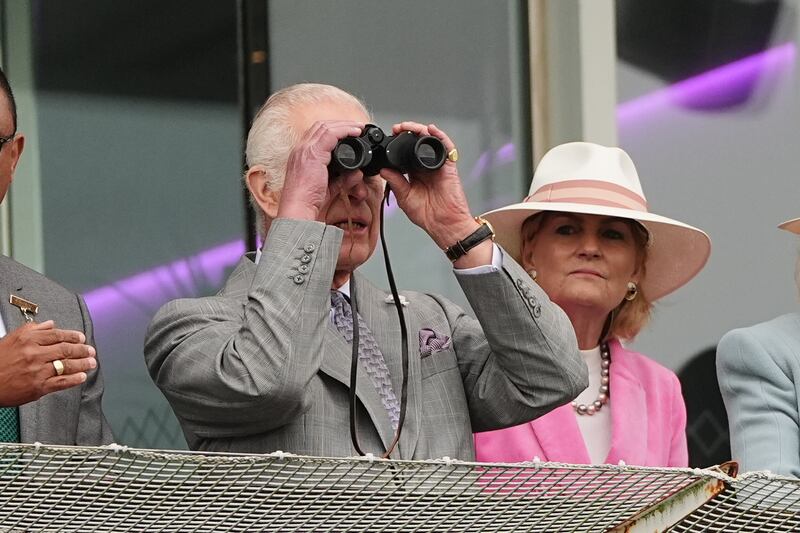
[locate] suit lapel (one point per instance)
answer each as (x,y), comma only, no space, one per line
(13,319)
(628,411)
(381,317)
(560,437)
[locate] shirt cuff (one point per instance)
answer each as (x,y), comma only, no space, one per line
(497,264)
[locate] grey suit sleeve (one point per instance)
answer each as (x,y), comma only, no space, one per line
(231,368)
(761,402)
(93,428)
(520,358)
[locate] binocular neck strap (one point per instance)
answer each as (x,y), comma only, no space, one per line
(403,340)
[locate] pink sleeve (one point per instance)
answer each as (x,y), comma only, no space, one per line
(678,453)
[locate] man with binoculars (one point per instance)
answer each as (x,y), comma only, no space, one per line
(266,364)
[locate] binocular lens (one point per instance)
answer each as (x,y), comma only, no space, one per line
(429,152)
(350,154)
(346,156)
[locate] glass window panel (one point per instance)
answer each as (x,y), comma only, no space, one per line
(140,142)
(708,109)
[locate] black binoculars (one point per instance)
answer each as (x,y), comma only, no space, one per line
(373,150)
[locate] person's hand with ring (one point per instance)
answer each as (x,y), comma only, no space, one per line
(38,359)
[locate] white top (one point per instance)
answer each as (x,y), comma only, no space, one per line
(596,428)
(2,328)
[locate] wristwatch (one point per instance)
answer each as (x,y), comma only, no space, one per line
(460,248)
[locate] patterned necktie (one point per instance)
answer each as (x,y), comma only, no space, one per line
(369,354)
(9,424)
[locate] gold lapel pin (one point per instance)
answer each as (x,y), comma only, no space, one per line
(27,308)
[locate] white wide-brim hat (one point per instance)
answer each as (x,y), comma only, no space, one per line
(587,178)
(791,225)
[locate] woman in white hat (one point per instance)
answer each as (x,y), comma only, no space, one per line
(759,376)
(585,235)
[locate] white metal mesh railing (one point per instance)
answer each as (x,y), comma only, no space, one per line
(46,488)
(752,502)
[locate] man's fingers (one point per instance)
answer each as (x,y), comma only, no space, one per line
(400,186)
(74,366)
(57,383)
(415,127)
(65,350)
(442,136)
(47,324)
(325,135)
(49,337)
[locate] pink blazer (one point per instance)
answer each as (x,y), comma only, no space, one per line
(648,422)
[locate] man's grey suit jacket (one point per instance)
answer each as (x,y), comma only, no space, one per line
(73,416)
(260,367)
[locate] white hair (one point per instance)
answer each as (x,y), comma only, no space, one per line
(272,135)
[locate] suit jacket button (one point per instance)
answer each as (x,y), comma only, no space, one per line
(533,301)
(520,283)
(308,248)
(299,279)
(537,311)
(305,259)
(303,269)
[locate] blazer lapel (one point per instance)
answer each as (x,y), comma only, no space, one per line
(13,319)
(381,317)
(560,437)
(628,411)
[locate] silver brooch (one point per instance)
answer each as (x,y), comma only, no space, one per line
(403,300)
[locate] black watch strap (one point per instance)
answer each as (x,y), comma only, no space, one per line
(460,248)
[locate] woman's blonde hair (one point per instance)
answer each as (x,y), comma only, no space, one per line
(629,317)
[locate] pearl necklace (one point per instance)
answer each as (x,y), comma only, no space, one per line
(602,395)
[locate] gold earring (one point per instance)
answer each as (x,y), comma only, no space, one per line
(633,291)
(532,273)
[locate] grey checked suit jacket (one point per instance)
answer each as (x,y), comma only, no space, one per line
(260,367)
(73,416)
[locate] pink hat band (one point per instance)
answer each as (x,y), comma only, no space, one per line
(592,192)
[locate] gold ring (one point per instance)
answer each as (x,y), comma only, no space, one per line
(452,155)
(59,366)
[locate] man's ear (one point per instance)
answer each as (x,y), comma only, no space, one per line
(257,179)
(16,146)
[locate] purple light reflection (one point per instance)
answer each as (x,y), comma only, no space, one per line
(505,154)
(712,89)
(145,292)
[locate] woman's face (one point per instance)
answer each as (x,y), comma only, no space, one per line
(583,262)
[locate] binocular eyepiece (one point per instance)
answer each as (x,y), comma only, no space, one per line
(373,150)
